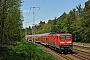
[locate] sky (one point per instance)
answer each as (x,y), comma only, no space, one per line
(49,9)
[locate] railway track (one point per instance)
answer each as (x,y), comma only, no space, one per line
(55,54)
(81,55)
(82,46)
(77,55)
(66,57)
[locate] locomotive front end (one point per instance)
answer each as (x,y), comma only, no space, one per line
(65,43)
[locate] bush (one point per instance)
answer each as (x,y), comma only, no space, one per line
(25,51)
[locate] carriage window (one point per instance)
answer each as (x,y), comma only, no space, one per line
(62,37)
(67,37)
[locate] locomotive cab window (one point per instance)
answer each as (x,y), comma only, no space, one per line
(62,37)
(67,37)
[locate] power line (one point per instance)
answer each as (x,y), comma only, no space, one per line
(41,6)
(31,3)
(42,3)
(39,16)
(26,23)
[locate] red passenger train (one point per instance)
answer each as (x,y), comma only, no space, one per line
(60,42)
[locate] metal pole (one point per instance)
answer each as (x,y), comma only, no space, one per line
(33,28)
(26,27)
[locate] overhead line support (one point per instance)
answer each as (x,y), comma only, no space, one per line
(33,28)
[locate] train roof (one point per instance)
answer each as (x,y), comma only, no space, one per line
(51,33)
(64,34)
(43,34)
(29,35)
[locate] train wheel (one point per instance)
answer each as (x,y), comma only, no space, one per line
(55,49)
(71,51)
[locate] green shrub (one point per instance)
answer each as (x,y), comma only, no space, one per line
(25,51)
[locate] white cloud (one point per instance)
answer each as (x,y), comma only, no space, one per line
(26,10)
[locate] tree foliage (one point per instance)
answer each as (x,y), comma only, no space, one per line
(10,20)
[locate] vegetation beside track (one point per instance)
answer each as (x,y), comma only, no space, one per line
(26,51)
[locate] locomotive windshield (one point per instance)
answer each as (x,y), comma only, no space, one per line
(67,37)
(64,37)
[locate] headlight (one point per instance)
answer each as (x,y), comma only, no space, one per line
(62,42)
(69,42)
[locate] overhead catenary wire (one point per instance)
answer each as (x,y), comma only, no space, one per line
(42,3)
(31,3)
(38,10)
(39,16)
(41,6)
(28,15)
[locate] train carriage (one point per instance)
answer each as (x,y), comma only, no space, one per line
(44,39)
(61,42)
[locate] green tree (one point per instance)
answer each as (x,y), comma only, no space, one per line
(86,22)
(79,9)
(10,20)
(53,26)
(61,23)
(29,30)
(3,16)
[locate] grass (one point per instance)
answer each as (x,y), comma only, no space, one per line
(25,51)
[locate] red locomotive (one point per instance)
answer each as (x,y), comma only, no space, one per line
(60,42)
